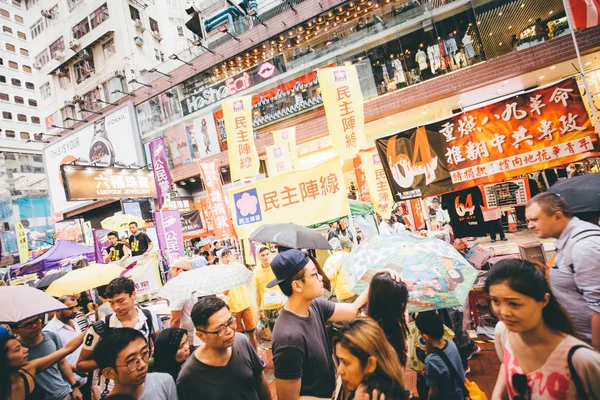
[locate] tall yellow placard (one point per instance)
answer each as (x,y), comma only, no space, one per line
(287,137)
(279,160)
(243,158)
(379,189)
(22,242)
(344,108)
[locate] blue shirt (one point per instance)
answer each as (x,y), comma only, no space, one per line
(438,374)
(55,387)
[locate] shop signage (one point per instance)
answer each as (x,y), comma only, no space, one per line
(303,196)
(206,96)
(22,242)
(379,190)
(243,158)
(508,193)
(96,183)
(191,221)
(169,233)
(160,169)
(109,140)
(219,213)
(529,132)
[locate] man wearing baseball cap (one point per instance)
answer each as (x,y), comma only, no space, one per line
(302,353)
(181,310)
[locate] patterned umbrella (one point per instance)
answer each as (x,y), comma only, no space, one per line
(121,222)
(436,274)
(205,281)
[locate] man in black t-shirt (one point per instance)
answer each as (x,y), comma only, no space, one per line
(117,251)
(139,242)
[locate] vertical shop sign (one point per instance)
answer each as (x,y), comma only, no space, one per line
(22,242)
(278,160)
(344,109)
(221,219)
(162,176)
(169,233)
(361,180)
(243,158)
(287,137)
(379,189)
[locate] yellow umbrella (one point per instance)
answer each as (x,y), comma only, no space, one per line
(121,222)
(83,279)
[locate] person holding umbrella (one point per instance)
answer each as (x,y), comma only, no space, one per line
(181,310)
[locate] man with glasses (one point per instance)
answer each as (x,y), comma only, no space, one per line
(122,357)
(226,367)
(57,382)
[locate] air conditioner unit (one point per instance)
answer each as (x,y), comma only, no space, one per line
(157,36)
(74,44)
(69,103)
(78,99)
(59,55)
(85,55)
(61,73)
(139,25)
(47,14)
(37,65)
(120,73)
(138,41)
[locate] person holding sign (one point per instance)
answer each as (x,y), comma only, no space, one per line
(117,251)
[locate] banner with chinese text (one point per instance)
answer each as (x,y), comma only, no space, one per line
(361,180)
(303,197)
(145,274)
(100,243)
(529,132)
(243,158)
(23,243)
(287,137)
(160,168)
(278,160)
(344,109)
(221,220)
(379,190)
(169,233)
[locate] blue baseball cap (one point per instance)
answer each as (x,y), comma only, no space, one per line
(287,264)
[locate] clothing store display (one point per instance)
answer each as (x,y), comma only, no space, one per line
(442,54)
(451,46)
(469,50)
(386,75)
(399,76)
(433,61)
(464,208)
(421,59)
(459,59)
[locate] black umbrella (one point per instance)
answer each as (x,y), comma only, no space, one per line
(48,279)
(581,193)
(290,235)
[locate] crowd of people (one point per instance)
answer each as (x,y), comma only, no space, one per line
(327,342)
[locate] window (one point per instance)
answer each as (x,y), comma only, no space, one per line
(2,79)
(162,56)
(6,29)
(57,46)
(135,14)
(81,29)
(99,15)
(1,61)
(19,100)
(42,58)
(6,115)
(180,31)
(113,85)
(24,52)
(157,54)
(172,4)
(83,70)
(30,85)
(66,78)
(45,91)
(4,97)
(153,25)
(25,136)
(18,18)
(22,117)
(108,48)
(26,68)
(73,3)
(9,134)
(21,35)
(10,47)
(16,3)
(4,13)
(15,82)
(32,103)
(37,27)
(35,120)
(13,65)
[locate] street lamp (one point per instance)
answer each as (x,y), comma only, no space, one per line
(106,102)
(62,127)
(176,57)
(254,14)
(139,83)
(122,92)
(153,70)
(75,119)
(81,109)
(199,44)
(223,29)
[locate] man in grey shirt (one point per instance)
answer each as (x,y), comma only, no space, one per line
(575,275)
(122,356)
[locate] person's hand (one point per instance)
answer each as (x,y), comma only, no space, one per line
(76,394)
(145,254)
(394,274)
(261,315)
(362,394)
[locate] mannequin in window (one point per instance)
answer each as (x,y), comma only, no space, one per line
(469,50)
(443,54)
(421,59)
(433,59)
(399,76)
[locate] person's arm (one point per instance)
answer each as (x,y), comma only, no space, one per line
(106,255)
(258,295)
(596,330)
(86,362)
(500,392)
(126,253)
(67,373)
(38,365)
(150,246)
(288,389)
(585,255)
(175,319)
(262,387)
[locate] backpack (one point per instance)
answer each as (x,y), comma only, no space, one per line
(149,324)
(571,241)
(469,388)
(581,394)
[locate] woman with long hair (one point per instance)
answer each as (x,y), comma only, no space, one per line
(387,305)
(171,350)
(17,373)
(541,359)
(367,362)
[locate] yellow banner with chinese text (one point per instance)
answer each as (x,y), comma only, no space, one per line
(287,137)
(22,242)
(278,160)
(379,189)
(344,108)
(304,197)
(243,158)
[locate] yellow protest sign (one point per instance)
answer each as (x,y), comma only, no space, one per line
(278,160)
(379,189)
(22,242)
(287,137)
(243,158)
(304,197)
(344,108)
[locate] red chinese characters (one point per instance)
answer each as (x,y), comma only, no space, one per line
(306,191)
(221,218)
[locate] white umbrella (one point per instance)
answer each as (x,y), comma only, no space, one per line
(22,302)
(205,281)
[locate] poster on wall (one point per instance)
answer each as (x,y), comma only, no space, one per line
(533,131)
(508,193)
(109,140)
(178,144)
(207,136)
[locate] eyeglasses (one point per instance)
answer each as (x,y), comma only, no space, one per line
(519,382)
(309,276)
(222,330)
(133,365)
(30,324)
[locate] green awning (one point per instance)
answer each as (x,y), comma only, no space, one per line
(357,209)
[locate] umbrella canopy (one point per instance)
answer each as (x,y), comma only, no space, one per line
(48,279)
(22,302)
(581,193)
(121,222)
(290,235)
(357,209)
(205,281)
(436,274)
(83,279)
(205,241)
